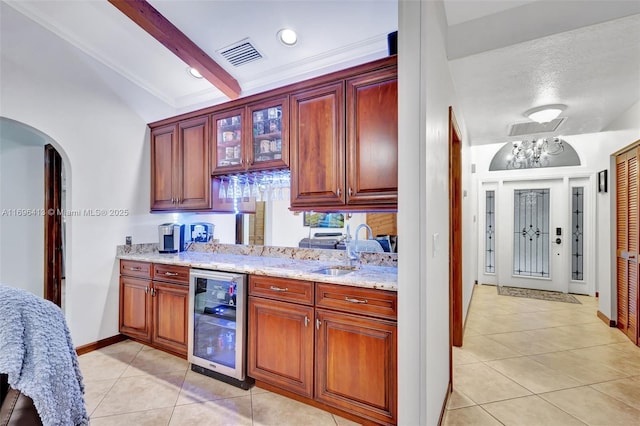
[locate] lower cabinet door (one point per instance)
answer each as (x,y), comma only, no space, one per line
(356,364)
(170,307)
(135,308)
(280,347)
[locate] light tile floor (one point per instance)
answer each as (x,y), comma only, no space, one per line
(524,362)
(132,384)
(533,362)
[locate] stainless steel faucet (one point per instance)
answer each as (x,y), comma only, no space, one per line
(352,245)
(369,232)
(351,252)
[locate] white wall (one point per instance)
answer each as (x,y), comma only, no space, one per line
(51,87)
(425,94)
(595,151)
(21,198)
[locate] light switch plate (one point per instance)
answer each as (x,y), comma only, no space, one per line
(436,244)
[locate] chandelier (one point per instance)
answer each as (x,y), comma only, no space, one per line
(528,154)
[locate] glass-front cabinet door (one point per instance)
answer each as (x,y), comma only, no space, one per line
(228,153)
(269,147)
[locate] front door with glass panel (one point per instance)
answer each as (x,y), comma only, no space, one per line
(534,234)
(533,248)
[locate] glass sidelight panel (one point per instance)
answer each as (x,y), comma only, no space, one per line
(531,232)
(577,233)
(490,240)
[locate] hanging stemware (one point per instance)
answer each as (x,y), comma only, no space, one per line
(222,193)
(246,190)
(255,189)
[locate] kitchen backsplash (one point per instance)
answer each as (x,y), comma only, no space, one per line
(380,259)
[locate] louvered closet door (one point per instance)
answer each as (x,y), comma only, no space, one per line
(627,199)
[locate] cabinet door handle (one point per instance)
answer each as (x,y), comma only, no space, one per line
(146,290)
(306,321)
(153,292)
(318,323)
(351,300)
(135,268)
(338,192)
(171,274)
(350,192)
(274,288)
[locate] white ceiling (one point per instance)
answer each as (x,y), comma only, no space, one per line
(505,56)
(584,54)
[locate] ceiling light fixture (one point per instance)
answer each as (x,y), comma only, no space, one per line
(545,113)
(531,154)
(194,72)
(287,36)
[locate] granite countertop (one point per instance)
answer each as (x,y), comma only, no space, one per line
(369,276)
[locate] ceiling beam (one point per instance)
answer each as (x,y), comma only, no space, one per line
(150,20)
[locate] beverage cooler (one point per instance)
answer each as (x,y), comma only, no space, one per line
(217,326)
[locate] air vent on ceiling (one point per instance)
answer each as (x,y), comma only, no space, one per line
(240,53)
(532,128)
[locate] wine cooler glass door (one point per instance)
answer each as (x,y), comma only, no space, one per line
(217,322)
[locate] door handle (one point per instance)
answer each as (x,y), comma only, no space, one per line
(558,241)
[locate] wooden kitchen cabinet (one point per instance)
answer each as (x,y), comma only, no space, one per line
(280,347)
(135,308)
(180,172)
(372,138)
(317,147)
(356,344)
(334,345)
(268,134)
(154,304)
(254,137)
(356,364)
(347,164)
(170,321)
(337,133)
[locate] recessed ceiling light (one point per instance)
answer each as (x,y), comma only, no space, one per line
(287,36)
(545,113)
(194,72)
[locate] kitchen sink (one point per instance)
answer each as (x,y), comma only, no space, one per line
(336,270)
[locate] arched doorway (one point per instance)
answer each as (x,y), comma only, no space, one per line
(32,202)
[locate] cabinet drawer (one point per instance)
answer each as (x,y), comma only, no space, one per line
(281,289)
(132,268)
(171,273)
(376,303)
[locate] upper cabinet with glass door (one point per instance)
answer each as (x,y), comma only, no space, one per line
(228,152)
(254,138)
(269,134)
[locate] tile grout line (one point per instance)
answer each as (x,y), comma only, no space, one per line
(114,382)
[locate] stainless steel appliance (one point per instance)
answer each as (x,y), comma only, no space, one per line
(201,232)
(217,326)
(171,238)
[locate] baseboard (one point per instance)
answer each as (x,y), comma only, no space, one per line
(606,320)
(473,291)
(444,405)
(90,347)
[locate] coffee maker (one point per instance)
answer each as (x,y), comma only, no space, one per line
(171,238)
